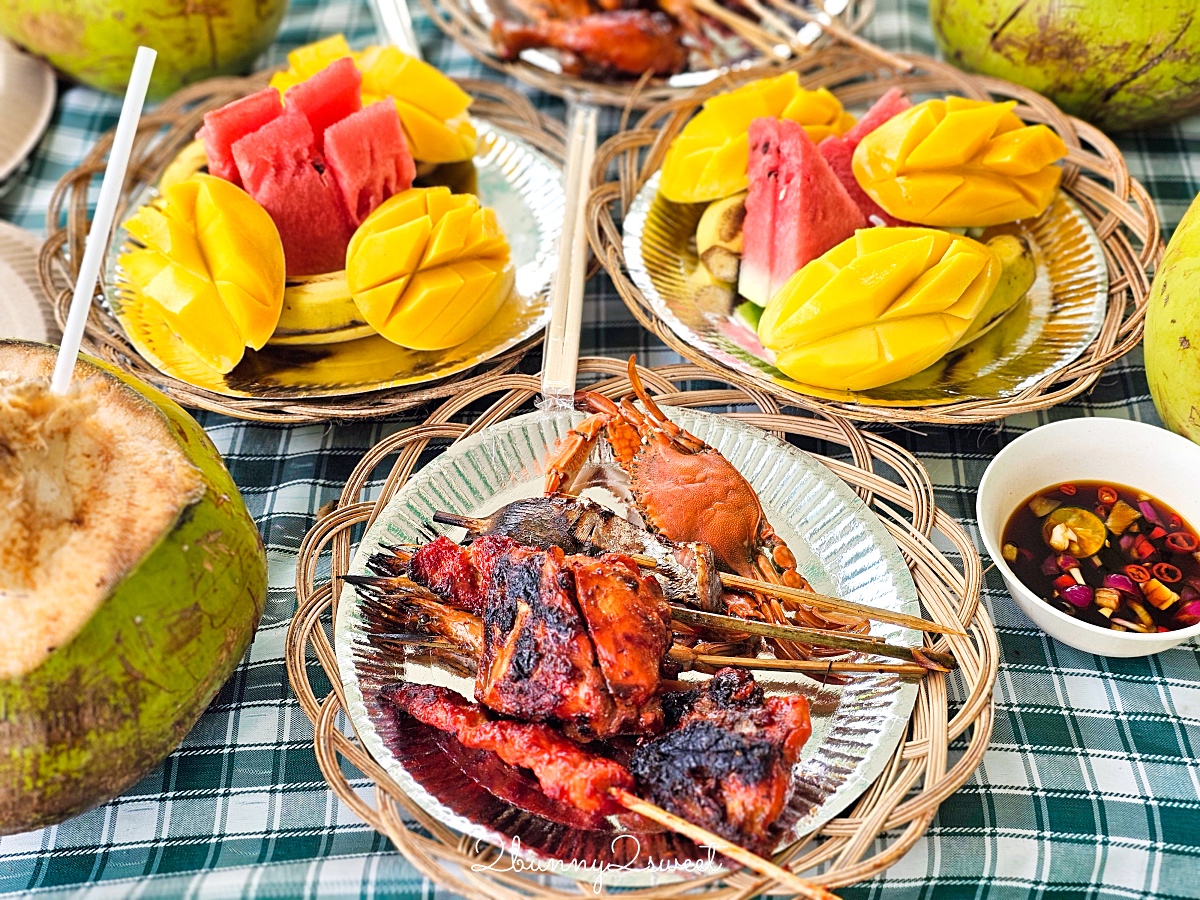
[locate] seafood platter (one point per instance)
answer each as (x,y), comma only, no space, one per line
(548,641)
(351,236)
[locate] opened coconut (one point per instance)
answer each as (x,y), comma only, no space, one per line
(131,581)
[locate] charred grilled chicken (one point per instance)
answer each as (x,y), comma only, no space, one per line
(625,42)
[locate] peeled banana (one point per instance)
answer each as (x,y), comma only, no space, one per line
(1017,274)
(319,309)
(719,237)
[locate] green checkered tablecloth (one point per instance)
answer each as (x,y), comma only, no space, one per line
(1091,788)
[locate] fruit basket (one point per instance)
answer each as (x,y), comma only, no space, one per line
(163,139)
(1108,216)
(467,22)
(873,833)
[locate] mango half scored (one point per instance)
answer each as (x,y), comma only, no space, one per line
(878,307)
(432,108)
(960,163)
(708,159)
(429,269)
(211,266)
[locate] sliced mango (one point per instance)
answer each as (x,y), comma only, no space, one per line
(429,269)
(707,160)
(878,307)
(211,263)
(432,108)
(960,163)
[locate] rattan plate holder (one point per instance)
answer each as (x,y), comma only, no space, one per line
(1095,176)
(161,135)
(466,29)
(881,826)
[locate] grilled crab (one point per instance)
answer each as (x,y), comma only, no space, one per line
(687,491)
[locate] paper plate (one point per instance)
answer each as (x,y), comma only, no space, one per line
(840,546)
(1055,323)
(27,91)
(524,187)
(24,312)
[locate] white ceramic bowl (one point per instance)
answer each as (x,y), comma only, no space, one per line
(1163,465)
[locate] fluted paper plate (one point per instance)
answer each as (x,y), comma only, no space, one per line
(524,187)
(840,546)
(1058,319)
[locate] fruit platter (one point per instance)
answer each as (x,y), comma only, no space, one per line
(358,224)
(637,57)
(799,232)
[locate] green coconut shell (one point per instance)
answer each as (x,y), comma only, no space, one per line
(100,712)
(1172,340)
(1120,64)
(95,41)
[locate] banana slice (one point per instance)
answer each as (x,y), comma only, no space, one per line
(719,237)
(319,309)
(1017,274)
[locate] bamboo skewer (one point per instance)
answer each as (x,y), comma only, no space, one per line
(748,30)
(687,656)
(836,30)
(813,637)
(706,838)
(784,592)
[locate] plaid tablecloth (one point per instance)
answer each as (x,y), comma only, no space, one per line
(1091,788)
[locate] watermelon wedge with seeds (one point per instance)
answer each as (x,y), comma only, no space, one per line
(225,126)
(368,158)
(281,169)
(796,208)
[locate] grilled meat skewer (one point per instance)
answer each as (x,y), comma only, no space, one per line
(687,571)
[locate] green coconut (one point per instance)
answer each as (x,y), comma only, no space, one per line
(1172,341)
(131,581)
(1117,63)
(94,41)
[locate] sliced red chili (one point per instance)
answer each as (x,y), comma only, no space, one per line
(1062,582)
(1068,489)
(1157,532)
(1106,495)
(1174,522)
(1167,573)
(1140,574)
(1102,511)
(1182,542)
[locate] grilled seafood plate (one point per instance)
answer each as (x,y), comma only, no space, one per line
(625,706)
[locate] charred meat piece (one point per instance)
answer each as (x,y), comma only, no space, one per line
(565,771)
(726,761)
(687,571)
(627,41)
(573,639)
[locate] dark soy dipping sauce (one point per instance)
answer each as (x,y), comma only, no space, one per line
(1130,562)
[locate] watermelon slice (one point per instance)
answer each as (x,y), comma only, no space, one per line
(890,104)
(839,151)
(225,126)
(281,169)
(796,208)
(368,157)
(327,97)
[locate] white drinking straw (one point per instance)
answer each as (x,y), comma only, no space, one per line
(106,209)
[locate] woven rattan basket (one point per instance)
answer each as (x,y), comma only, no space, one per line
(161,135)
(872,835)
(1095,175)
(463,25)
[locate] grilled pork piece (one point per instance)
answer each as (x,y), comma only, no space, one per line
(626,41)
(687,571)
(566,772)
(725,761)
(573,639)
